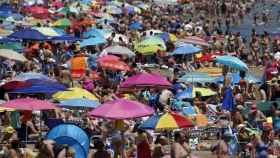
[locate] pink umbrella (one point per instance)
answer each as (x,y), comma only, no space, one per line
(29,104)
(108,58)
(196,40)
(122,109)
(145,80)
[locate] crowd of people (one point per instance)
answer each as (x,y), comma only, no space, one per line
(211,20)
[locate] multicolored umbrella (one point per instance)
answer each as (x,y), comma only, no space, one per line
(190,93)
(28,104)
(197,77)
(12,85)
(12,55)
(62,23)
(79,103)
(145,80)
(196,41)
(118,50)
(121,109)
(212,71)
(47,31)
(74,93)
(150,45)
(167,121)
(232,62)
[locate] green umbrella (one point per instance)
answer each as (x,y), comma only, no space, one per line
(14,46)
(62,23)
(66,10)
(150,46)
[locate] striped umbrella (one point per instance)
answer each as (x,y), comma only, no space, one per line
(196,40)
(167,121)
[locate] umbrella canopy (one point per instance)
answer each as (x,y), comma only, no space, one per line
(120,109)
(12,85)
(62,23)
(232,62)
(28,34)
(115,65)
(211,71)
(150,45)
(47,31)
(108,58)
(37,11)
(186,49)
(79,103)
(31,75)
(11,54)
(190,93)
(118,50)
(67,10)
(74,93)
(167,121)
(113,9)
(135,26)
(144,80)
(105,33)
(197,77)
(29,104)
(235,78)
(196,41)
(93,41)
(73,136)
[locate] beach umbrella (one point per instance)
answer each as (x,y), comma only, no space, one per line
(67,10)
(74,93)
(211,71)
(65,38)
(28,34)
(118,50)
(121,109)
(167,121)
(166,2)
(62,23)
(79,103)
(93,41)
(186,50)
(190,93)
(120,38)
(47,31)
(108,58)
(2,109)
(29,104)
(150,45)
(111,9)
(145,80)
(4,32)
(12,55)
(135,26)
(235,78)
(115,65)
(105,33)
(232,62)
(37,11)
(31,75)
(40,86)
(167,37)
(12,85)
(195,40)
(72,135)
(197,77)
(7,8)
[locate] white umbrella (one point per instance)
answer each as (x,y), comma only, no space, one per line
(118,50)
(11,54)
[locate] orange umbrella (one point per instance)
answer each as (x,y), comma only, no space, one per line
(115,65)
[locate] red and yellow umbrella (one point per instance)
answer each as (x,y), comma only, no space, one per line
(167,121)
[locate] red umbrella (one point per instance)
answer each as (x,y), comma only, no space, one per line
(38,12)
(115,65)
(29,104)
(12,85)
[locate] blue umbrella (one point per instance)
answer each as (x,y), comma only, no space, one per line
(97,32)
(186,94)
(232,62)
(73,136)
(8,40)
(86,103)
(164,36)
(197,77)
(28,34)
(186,50)
(41,86)
(65,38)
(135,26)
(235,78)
(31,75)
(92,41)
(7,8)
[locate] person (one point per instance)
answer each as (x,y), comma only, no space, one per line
(100,151)
(179,148)
(256,117)
(143,146)
(158,151)
(275,117)
(221,149)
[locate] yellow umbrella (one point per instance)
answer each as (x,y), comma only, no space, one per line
(74,93)
(172,37)
(47,31)
(212,71)
(205,92)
